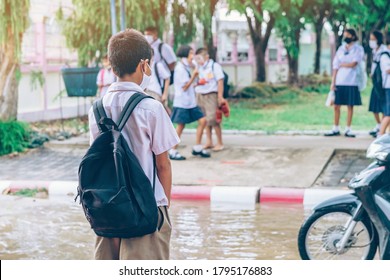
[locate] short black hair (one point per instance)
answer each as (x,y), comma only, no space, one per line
(151,29)
(388,38)
(183,51)
(378,36)
(125,51)
(201,50)
(353,33)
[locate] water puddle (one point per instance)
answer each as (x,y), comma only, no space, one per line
(56,228)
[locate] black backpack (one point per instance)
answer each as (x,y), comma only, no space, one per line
(163,59)
(116,195)
(226,86)
(377,80)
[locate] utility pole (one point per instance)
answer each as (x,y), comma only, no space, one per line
(123,15)
(113,18)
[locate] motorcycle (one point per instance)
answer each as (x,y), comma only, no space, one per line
(355,225)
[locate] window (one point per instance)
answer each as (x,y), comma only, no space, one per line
(273,55)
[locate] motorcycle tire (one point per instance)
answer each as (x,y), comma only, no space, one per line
(307,226)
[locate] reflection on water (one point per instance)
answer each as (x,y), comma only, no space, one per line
(57,229)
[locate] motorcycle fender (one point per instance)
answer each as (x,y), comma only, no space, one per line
(349,201)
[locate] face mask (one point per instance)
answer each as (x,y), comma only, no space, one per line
(145,79)
(373,44)
(149,38)
(347,40)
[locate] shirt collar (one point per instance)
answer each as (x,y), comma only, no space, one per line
(156,43)
(125,86)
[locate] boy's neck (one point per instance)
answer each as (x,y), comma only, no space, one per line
(128,78)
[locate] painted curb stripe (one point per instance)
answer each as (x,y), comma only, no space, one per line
(281,195)
(240,195)
(191,192)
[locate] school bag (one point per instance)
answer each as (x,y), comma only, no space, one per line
(116,195)
(226,86)
(163,59)
(377,80)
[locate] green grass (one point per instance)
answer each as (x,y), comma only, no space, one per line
(293,110)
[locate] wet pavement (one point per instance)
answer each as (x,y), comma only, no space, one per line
(56,229)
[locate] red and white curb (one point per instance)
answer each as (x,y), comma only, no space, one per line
(217,194)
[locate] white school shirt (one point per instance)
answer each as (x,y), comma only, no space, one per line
(105,78)
(183,99)
(385,66)
(211,76)
(149,129)
(155,84)
(166,51)
(347,76)
(376,56)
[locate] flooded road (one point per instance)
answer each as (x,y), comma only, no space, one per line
(56,228)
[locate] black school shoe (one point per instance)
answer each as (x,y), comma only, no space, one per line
(349,134)
(203,153)
(332,133)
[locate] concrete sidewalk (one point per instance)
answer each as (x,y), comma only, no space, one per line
(250,161)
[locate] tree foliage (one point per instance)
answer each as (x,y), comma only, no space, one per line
(88,27)
(14,21)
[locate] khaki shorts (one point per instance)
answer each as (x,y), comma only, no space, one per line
(154,246)
(208,103)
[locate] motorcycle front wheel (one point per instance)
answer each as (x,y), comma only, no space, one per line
(321,232)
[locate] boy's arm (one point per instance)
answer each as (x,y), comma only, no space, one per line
(166,90)
(220,92)
(164,173)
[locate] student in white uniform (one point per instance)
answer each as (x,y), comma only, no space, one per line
(105,77)
(162,51)
(376,104)
(185,109)
(385,68)
(148,131)
(345,80)
(158,87)
(209,94)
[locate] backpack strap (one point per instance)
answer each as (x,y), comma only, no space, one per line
(129,108)
(100,114)
(157,74)
(133,101)
(160,51)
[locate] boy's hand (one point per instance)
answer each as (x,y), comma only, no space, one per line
(195,73)
(164,98)
(221,101)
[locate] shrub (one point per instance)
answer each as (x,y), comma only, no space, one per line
(14,137)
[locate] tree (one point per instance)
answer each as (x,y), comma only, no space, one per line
(256,12)
(289,24)
(88,28)
(204,10)
(184,21)
(317,13)
(13,23)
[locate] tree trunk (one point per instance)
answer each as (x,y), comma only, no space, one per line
(317,61)
(292,70)
(260,61)
(8,82)
(209,41)
(9,97)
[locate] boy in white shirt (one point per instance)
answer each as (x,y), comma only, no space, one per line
(148,131)
(105,77)
(209,91)
(162,52)
(158,87)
